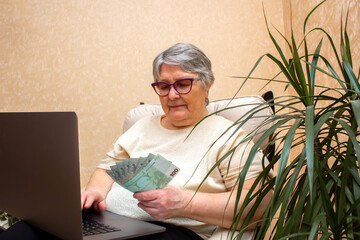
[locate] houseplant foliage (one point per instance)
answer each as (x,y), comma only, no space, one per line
(7,219)
(316,191)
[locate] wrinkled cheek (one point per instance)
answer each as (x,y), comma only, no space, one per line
(164,106)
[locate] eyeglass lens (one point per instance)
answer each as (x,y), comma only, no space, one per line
(182,86)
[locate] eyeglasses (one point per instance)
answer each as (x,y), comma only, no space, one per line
(182,86)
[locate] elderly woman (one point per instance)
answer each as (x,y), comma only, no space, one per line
(182,79)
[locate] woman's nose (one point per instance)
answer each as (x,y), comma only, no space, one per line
(173,93)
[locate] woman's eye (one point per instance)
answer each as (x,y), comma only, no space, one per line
(183,84)
(163,87)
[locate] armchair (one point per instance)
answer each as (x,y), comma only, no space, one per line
(236,108)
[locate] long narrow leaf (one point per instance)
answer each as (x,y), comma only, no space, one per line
(300,73)
(352,77)
(313,69)
(310,13)
(282,55)
(286,151)
(347,41)
(315,226)
(287,192)
(355,104)
(352,137)
(309,124)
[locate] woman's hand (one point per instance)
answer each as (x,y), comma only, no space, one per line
(212,208)
(164,203)
(93,198)
(96,190)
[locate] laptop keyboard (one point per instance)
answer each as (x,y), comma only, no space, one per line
(91,227)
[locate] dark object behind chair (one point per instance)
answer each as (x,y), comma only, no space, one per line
(270,150)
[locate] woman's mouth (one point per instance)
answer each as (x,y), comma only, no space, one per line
(176,106)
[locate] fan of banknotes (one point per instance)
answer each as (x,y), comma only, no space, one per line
(143,173)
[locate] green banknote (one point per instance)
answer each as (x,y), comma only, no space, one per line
(143,174)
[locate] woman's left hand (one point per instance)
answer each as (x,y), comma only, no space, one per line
(164,203)
(212,208)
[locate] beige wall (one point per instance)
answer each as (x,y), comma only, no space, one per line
(328,16)
(94,57)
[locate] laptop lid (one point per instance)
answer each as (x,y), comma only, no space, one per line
(39,173)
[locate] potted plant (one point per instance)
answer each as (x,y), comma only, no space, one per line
(316,131)
(6,220)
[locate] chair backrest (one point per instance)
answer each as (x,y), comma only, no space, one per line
(244,103)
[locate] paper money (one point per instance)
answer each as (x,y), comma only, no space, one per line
(143,173)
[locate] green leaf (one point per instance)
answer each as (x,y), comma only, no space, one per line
(310,13)
(352,77)
(315,226)
(355,104)
(313,69)
(286,151)
(352,136)
(280,51)
(285,196)
(309,125)
(300,73)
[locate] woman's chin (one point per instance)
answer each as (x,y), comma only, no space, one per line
(177,114)
(178,121)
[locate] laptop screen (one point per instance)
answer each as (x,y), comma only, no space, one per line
(39,173)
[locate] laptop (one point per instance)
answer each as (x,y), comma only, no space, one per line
(40,178)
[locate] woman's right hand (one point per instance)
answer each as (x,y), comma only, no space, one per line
(96,190)
(93,198)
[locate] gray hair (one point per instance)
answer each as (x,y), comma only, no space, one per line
(189,58)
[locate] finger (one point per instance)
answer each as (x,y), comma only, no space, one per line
(148,209)
(152,211)
(147,196)
(142,206)
(150,204)
(88,202)
(83,199)
(102,206)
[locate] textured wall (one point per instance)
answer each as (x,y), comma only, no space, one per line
(329,17)
(94,57)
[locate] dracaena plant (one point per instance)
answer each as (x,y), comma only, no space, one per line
(316,188)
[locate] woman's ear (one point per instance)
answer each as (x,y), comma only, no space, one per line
(207,96)
(207,91)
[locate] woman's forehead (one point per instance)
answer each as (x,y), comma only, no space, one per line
(174,72)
